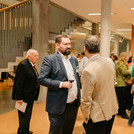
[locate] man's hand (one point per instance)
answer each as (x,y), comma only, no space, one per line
(67,84)
(20,101)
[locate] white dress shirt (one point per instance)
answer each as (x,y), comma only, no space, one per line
(72,93)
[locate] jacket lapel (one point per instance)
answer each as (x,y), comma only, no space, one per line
(61,64)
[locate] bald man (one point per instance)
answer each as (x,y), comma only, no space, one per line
(26,89)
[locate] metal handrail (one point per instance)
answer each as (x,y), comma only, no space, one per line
(4,4)
(15,5)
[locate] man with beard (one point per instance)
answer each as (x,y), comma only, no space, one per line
(59,72)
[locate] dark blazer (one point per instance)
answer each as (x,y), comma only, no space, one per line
(25,87)
(52,73)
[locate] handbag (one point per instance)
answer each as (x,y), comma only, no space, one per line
(132,90)
(129,81)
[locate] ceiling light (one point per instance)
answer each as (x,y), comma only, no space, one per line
(124,30)
(94,14)
(132,8)
(98,13)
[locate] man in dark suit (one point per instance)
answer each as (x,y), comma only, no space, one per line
(63,96)
(26,89)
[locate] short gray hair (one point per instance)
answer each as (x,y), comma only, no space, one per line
(92,44)
(30,51)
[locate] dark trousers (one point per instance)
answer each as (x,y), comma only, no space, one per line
(64,123)
(125,99)
(129,99)
(103,127)
(24,120)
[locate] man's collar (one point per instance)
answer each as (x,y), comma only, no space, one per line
(93,56)
(31,63)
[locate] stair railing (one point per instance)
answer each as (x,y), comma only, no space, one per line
(2,5)
(15,25)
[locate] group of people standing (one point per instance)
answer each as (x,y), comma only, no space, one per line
(94,92)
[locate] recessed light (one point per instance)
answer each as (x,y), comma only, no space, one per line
(94,14)
(132,8)
(124,30)
(98,13)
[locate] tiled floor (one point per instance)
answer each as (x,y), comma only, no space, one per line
(39,121)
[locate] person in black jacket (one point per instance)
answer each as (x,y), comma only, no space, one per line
(26,89)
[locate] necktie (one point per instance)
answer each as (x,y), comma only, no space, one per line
(35,69)
(35,72)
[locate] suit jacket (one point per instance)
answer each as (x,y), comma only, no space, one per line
(99,101)
(52,73)
(25,87)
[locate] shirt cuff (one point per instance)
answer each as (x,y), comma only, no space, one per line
(60,86)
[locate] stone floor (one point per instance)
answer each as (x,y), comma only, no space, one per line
(39,121)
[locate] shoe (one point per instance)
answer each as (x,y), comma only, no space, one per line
(30,132)
(129,124)
(125,116)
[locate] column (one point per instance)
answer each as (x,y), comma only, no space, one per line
(105,27)
(116,45)
(132,40)
(40,16)
(128,47)
(95,29)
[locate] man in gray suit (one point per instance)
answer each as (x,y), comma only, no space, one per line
(59,72)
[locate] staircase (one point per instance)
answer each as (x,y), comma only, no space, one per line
(16,31)
(74,28)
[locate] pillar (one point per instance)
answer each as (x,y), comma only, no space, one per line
(116,45)
(105,27)
(132,40)
(95,29)
(128,47)
(40,17)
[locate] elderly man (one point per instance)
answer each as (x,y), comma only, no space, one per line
(99,102)
(26,89)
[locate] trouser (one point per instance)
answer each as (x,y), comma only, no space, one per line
(64,123)
(24,120)
(131,117)
(103,127)
(125,99)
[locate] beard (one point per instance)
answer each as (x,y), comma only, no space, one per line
(66,52)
